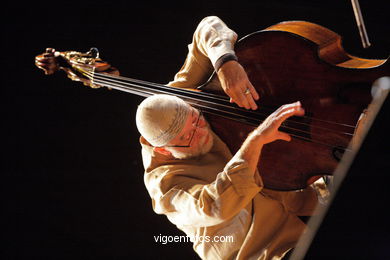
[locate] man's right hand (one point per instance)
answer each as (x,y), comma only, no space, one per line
(268,130)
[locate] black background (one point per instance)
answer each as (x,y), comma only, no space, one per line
(73,177)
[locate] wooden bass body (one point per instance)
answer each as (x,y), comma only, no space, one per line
(293,61)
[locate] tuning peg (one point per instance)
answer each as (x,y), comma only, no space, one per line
(94,52)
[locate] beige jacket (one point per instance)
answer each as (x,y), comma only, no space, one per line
(215,198)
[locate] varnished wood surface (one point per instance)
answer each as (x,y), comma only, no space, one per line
(302,61)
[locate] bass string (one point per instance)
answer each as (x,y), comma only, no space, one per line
(186,94)
(210,95)
(221,98)
(236,116)
(257,113)
(228,105)
(311,140)
(148,93)
(119,85)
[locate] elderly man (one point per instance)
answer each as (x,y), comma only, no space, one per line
(193,178)
(207,192)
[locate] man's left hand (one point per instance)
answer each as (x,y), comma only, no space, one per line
(237,86)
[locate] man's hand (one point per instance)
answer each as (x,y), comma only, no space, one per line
(268,130)
(237,86)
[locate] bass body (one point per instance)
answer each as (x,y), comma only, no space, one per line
(293,61)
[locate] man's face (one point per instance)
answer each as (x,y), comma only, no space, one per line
(195,134)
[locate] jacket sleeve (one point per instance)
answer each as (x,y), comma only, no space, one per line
(187,200)
(212,39)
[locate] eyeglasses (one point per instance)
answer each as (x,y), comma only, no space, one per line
(196,125)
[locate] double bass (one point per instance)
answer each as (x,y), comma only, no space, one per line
(286,62)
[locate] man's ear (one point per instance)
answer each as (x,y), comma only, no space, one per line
(162,150)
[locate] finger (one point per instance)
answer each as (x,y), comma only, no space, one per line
(288,113)
(252,96)
(284,115)
(239,98)
(283,108)
(286,107)
(295,110)
(243,100)
(253,91)
(251,102)
(234,100)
